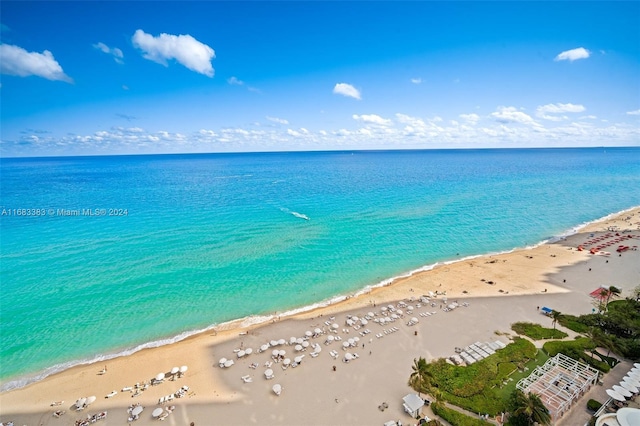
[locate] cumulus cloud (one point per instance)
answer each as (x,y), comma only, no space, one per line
(416,80)
(372,118)
(15,60)
(185,49)
(636,112)
(512,115)
(544,111)
(573,54)
(470,118)
(115,52)
(345,89)
(277,120)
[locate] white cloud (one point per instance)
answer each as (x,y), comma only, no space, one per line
(277,120)
(115,52)
(372,118)
(234,81)
(345,89)
(185,49)
(636,112)
(15,60)
(543,111)
(470,118)
(512,115)
(573,54)
(416,80)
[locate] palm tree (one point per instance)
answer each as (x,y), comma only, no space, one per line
(555,315)
(612,291)
(420,376)
(530,408)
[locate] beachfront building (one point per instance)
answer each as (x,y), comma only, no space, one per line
(559,383)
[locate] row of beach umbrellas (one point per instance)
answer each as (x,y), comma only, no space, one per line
(629,385)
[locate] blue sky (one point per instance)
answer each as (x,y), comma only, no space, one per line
(93,78)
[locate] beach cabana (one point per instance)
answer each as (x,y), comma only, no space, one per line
(545,310)
(412,404)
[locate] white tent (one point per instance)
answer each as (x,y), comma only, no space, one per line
(615,395)
(628,416)
(628,386)
(622,391)
(412,404)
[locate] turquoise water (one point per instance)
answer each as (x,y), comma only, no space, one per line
(211,238)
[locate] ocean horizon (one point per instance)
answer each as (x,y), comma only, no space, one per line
(112,254)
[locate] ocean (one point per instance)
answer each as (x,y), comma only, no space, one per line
(103,256)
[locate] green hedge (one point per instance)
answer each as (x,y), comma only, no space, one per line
(576,349)
(593,405)
(455,418)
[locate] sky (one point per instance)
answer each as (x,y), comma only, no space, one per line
(121,77)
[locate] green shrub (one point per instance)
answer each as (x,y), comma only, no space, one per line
(593,405)
(536,331)
(576,349)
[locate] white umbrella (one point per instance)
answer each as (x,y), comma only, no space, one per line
(317,331)
(241,354)
(222,361)
(383,309)
(264,348)
(615,395)
(160,376)
(228,363)
(174,370)
(248,351)
(317,348)
(90,400)
(400,311)
(348,356)
(335,326)
(81,402)
(292,340)
(273,343)
(277,389)
(634,382)
(282,342)
(157,412)
(298,347)
(308,333)
(364,321)
(275,352)
(330,338)
(394,316)
(628,386)
(286,361)
(345,344)
(298,359)
(184,369)
(137,410)
(282,352)
(305,344)
(409,308)
(299,340)
(371,314)
(414,319)
(356,339)
(351,341)
(268,373)
(622,391)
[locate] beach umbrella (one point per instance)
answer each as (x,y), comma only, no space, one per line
(282,352)
(308,333)
(622,391)
(305,344)
(400,312)
(268,373)
(298,359)
(317,348)
(414,319)
(330,338)
(356,339)
(160,376)
(274,343)
(345,344)
(634,382)
(292,340)
(241,354)
(248,351)
(282,342)
(90,400)
(335,326)
(317,331)
(277,389)
(299,340)
(275,352)
(628,386)
(286,361)
(371,314)
(348,356)
(394,316)
(264,348)
(384,309)
(298,347)
(222,361)
(229,363)
(184,369)
(174,370)
(157,412)
(364,321)
(137,410)
(409,308)
(615,395)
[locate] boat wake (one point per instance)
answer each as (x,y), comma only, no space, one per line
(296,214)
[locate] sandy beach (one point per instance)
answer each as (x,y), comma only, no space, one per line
(491,292)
